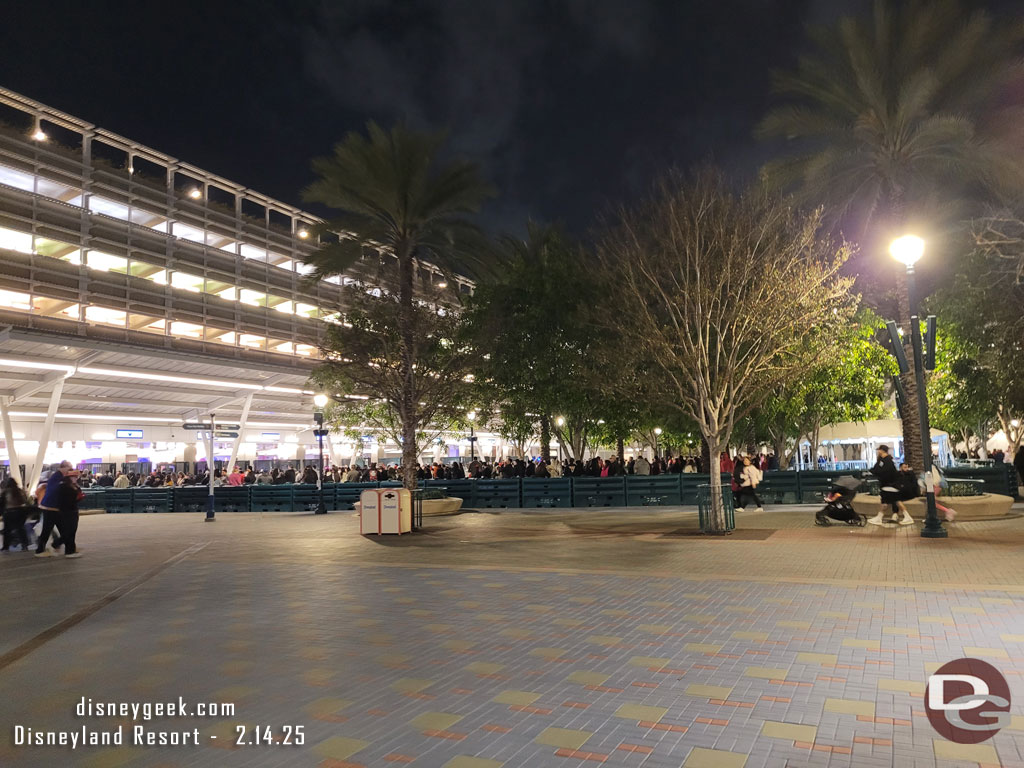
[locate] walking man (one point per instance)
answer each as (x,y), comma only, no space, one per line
(889,480)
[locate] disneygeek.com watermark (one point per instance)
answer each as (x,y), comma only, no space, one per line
(967,701)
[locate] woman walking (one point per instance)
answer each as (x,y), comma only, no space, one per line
(750,477)
(15,506)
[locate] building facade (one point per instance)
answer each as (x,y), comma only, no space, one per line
(138,292)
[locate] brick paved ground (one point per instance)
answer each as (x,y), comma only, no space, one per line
(531,639)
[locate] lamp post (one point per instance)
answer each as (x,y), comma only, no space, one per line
(320,400)
(471,416)
(908,250)
(560,422)
(657,434)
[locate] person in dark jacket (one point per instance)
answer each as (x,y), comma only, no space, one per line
(15,506)
(889,480)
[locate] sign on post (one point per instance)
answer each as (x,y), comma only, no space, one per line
(190,425)
(225,434)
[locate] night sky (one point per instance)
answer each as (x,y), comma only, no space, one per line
(570,105)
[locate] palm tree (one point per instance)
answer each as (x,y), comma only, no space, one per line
(892,118)
(394,198)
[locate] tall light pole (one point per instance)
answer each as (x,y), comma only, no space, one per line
(657,434)
(560,422)
(909,249)
(320,400)
(471,416)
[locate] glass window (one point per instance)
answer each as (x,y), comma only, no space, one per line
(186,330)
(252,340)
(306,350)
(58,250)
(252,252)
(148,272)
(280,304)
(106,262)
(147,323)
(105,316)
(56,308)
(252,298)
(221,336)
(15,241)
(15,300)
(186,282)
(306,310)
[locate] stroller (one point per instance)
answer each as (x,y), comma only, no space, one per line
(840,504)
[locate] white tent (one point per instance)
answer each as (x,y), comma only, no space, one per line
(853,442)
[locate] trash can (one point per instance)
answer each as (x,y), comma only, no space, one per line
(704,508)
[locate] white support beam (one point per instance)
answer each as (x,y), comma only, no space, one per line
(44,438)
(241,426)
(12,452)
(27,390)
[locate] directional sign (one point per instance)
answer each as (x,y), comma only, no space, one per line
(195,426)
(225,434)
(226,426)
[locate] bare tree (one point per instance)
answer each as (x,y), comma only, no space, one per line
(717,295)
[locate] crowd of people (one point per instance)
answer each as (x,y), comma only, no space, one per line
(55,505)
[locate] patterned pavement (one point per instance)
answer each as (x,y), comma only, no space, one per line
(520,639)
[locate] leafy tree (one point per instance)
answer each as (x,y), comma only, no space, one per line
(882,123)
(959,389)
(530,321)
(844,380)
(716,292)
(395,199)
(981,322)
(365,372)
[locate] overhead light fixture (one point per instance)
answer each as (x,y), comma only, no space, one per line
(442,284)
(195,193)
(39,134)
(164,377)
(36,364)
(303,233)
(99,416)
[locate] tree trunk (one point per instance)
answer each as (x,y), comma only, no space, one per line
(620,450)
(545,438)
(707,462)
(716,518)
(406,273)
(913,449)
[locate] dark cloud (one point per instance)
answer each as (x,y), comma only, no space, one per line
(569,104)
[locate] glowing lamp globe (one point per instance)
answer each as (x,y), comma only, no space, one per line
(908,249)
(320,400)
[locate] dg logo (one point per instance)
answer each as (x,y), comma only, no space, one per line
(967,701)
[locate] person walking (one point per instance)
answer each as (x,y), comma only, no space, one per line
(49,508)
(750,478)
(14,505)
(68,496)
(889,480)
(941,486)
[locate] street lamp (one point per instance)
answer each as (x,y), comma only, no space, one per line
(909,249)
(320,400)
(471,416)
(657,434)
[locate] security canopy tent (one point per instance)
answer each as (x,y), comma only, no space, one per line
(852,444)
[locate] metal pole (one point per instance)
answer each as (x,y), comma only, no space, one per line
(321,508)
(472,444)
(932,526)
(210,468)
